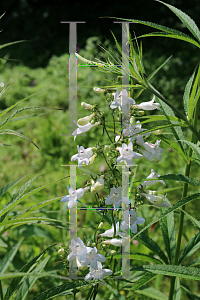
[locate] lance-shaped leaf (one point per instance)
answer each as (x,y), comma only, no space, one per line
(9,131)
(151,293)
(192,246)
(9,257)
(180,177)
(142,281)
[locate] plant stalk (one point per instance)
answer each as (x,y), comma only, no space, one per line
(184,194)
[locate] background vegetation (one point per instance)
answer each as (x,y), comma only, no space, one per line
(39,68)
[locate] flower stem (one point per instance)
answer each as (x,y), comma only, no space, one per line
(1,291)
(185,189)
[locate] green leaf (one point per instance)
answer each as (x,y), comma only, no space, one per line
(65,287)
(194,96)
(149,243)
(116,294)
(180,177)
(194,221)
(186,96)
(158,69)
(137,256)
(15,283)
(28,282)
(141,281)
(4,189)
(193,263)
(192,296)
(181,36)
(15,198)
(2,244)
(185,19)
(177,205)
(192,246)
(177,131)
(151,293)
(9,131)
(194,147)
(9,257)
(169,270)
(169,237)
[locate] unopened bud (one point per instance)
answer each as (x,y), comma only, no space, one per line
(97,186)
(98,90)
(100,225)
(140,113)
(106,148)
(61,251)
(92,159)
(157,132)
(86,105)
(85,120)
(132,120)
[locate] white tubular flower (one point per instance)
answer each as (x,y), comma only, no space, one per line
(73,196)
(85,120)
(110,232)
(152,176)
(92,258)
(92,159)
(134,220)
(121,99)
(134,130)
(97,274)
(84,128)
(118,242)
(78,249)
(153,151)
(150,105)
(116,197)
(97,186)
(86,105)
(83,155)
(127,154)
(79,264)
(156,200)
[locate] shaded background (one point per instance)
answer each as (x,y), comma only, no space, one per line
(39,23)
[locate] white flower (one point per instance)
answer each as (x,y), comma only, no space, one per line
(156,200)
(98,185)
(97,274)
(98,90)
(153,151)
(151,176)
(110,232)
(73,196)
(121,99)
(83,155)
(92,258)
(83,128)
(131,130)
(116,197)
(127,154)
(134,220)
(150,105)
(78,249)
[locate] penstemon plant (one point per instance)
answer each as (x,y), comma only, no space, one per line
(120,198)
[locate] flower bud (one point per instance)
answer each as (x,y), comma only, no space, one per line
(98,90)
(140,113)
(85,120)
(97,186)
(79,265)
(111,252)
(106,148)
(100,225)
(86,105)
(157,132)
(61,252)
(132,120)
(92,159)
(93,244)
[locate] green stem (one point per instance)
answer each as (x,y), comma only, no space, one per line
(90,293)
(1,291)
(114,224)
(181,220)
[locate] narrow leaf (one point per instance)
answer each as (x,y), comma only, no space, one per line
(192,246)
(9,257)
(151,293)
(180,177)
(141,281)
(9,131)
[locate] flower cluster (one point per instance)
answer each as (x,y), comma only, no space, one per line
(88,257)
(132,143)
